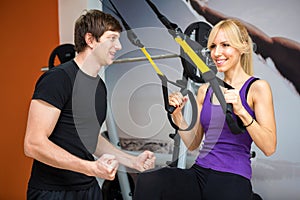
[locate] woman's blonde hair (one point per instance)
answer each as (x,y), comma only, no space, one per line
(238,38)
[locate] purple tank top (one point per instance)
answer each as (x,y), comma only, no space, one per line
(221,149)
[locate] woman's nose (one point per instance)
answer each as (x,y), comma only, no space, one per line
(217,51)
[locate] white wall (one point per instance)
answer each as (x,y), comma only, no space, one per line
(69,11)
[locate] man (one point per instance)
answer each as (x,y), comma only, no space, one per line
(66,112)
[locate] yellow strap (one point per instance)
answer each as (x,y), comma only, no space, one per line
(151,61)
(191,53)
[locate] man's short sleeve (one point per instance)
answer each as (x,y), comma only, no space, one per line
(54,87)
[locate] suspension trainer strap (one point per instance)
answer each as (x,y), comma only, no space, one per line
(164,81)
(199,31)
(207,74)
(170,109)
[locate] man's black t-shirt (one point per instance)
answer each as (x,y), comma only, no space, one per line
(82,100)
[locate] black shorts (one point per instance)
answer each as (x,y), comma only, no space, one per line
(91,193)
(195,183)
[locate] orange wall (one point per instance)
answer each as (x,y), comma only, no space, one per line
(29,32)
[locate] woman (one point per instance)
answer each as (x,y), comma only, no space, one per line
(222,169)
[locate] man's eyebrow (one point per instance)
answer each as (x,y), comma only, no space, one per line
(113,34)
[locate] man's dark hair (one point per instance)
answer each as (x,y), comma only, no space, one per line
(95,22)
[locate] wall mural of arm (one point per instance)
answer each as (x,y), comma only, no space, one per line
(284,52)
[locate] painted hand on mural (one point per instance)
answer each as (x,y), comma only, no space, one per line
(284,52)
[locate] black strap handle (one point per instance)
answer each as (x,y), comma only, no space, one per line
(235,124)
(170,109)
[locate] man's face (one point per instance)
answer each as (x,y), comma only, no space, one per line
(107,47)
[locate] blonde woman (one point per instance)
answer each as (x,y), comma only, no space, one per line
(222,169)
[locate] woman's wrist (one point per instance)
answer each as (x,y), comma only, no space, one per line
(246,118)
(178,118)
(250,123)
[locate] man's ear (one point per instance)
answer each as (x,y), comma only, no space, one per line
(89,38)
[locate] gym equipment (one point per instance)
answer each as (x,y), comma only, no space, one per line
(132,37)
(64,53)
(234,122)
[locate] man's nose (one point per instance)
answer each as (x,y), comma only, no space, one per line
(118,45)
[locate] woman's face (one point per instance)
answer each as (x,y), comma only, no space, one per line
(223,54)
